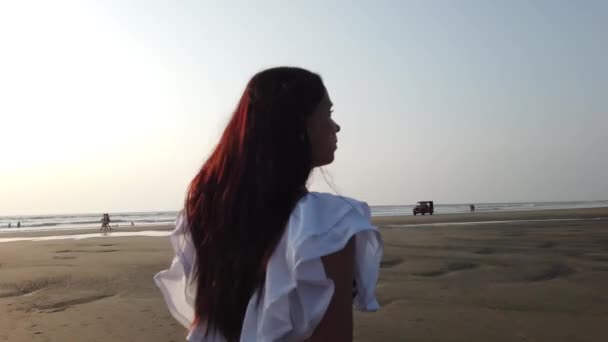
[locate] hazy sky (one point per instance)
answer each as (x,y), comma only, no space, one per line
(114,105)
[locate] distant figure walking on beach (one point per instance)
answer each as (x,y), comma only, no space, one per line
(18,224)
(105,223)
(9,224)
(472,207)
(258,256)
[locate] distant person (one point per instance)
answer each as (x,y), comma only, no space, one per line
(9,224)
(472,207)
(18,224)
(289,257)
(105,222)
(108,222)
(132,224)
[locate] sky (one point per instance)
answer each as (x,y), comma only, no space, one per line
(109,106)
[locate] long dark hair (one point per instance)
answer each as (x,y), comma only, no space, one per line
(239,203)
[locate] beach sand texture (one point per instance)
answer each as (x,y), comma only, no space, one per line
(516,281)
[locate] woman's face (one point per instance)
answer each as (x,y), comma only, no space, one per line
(322,132)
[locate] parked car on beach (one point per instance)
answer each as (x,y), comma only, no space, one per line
(424,207)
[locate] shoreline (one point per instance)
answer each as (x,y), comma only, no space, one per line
(82,230)
(383,222)
(45,225)
(584,213)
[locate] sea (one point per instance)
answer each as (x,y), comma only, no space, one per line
(93,220)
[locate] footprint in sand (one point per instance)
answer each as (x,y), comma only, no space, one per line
(548,273)
(485,250)
(390,262)
(546,244)
(28,287)
(63,305)
(449,268)
(384,302)
(87,251)
(96,245)
(573,252)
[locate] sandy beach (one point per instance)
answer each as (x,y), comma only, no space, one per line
(528,280)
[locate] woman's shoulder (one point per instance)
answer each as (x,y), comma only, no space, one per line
(324,206)
(322,214)
(321,225)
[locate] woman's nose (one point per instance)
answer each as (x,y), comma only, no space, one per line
(337,127)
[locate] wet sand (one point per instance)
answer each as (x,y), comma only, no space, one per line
(514,281)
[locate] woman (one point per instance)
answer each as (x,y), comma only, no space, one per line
(258,257)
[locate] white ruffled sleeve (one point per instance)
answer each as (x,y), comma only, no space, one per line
(297,291)
(176,283)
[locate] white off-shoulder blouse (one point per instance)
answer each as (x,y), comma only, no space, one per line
(296,291)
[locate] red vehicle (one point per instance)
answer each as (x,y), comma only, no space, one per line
(424,207)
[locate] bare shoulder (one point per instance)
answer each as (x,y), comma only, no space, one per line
(337,323)
(337,264)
